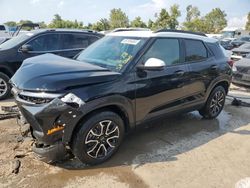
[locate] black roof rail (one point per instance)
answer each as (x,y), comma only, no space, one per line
(89,30)
(181,31)
(130,29)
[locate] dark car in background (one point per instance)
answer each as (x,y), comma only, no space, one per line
(226,44)
(241,71)
(63,42)
(239,41)
(240,52)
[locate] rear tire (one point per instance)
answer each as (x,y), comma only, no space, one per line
(4,86)
(98,138)
(214,104)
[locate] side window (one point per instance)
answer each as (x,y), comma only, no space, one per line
(168,50)
(47,42)
(195,50)
(74,41)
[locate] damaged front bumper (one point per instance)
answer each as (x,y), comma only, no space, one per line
(52,123)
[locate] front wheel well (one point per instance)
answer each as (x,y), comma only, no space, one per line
(113,108)
(6,72)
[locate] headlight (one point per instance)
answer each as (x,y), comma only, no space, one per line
(72,99)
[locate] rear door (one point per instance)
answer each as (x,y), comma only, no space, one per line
(202,68)
(158,92)
(73,43)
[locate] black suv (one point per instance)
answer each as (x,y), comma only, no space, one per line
(63,42)
(85,106)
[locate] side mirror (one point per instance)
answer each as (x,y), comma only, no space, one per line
(26,48)
(152,64)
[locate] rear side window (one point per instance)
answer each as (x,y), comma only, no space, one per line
(76,41)
(47,42)
(217,49)
(168,50)
(195,50)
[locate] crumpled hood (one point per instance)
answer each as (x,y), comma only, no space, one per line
(50,72)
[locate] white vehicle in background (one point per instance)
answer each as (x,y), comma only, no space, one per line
(233,32)
(216,36)
(5,33)
(241,52)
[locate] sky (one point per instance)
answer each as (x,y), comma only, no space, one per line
(89,11)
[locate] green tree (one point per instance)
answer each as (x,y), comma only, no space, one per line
(174,14)
(105,24)
(101,25)
(162,19)
(42,24)
(192,13)
(11,24)
(150,24)
(193,21)
(118,19)
(248,22)
(58,22)
(137,22)
(166,20)
(215,20)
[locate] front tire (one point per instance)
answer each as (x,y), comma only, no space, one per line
(98,138)
(214,104)
(4,86)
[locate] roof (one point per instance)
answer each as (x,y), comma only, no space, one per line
(149,34)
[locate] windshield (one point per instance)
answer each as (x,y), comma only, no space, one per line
(112,52)
(15,41)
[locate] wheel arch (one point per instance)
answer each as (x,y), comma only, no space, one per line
(125,111)
(7,71)
(224,82)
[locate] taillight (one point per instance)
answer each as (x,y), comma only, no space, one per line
(230,62)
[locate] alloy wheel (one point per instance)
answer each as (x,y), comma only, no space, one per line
(3,87)
(102,139)
(217,103)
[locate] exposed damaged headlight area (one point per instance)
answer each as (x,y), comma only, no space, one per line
(50,120)
(72,100)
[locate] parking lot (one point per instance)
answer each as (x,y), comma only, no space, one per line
(180,151)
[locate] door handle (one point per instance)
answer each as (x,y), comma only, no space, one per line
(214,67)
(179,72)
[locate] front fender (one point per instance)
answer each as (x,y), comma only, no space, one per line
(123,103)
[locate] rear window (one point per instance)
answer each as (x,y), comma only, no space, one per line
(217,49)
(75,41)
(195,50)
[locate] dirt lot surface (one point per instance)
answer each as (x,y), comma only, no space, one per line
(181,151)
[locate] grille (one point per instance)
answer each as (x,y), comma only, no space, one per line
(36,100)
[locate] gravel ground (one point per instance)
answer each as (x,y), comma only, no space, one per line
(181,151)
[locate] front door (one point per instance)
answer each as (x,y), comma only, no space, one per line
(158,92)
